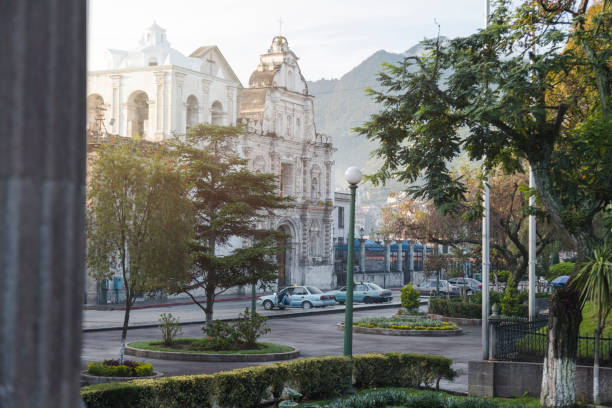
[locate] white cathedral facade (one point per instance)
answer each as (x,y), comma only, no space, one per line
(155,92)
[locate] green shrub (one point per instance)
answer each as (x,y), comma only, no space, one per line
(451,308)
(401,370)
(319,377)
(409,297)
(169,326)
(172,392)
(560,269)
(228,336)
(246,387)
(314,378)
(221,335)
(510,303)
(111,368)
(250,326)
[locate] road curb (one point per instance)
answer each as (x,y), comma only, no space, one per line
(286,315)
(209,357)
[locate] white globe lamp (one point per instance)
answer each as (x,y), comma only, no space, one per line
(353,175)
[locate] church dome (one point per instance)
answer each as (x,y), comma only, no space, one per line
(262,79)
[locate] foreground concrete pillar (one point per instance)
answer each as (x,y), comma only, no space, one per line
(42,174)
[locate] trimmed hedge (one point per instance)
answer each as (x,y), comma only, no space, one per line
(128,369)
(314,378)
(453,308)
(401,370)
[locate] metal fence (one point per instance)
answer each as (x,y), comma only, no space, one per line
(521,340)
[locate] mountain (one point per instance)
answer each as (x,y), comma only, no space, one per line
(342,104)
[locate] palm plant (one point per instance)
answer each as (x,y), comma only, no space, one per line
(594,283)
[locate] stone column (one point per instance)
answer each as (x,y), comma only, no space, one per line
(230,105)
(42,194)
(362,257)
(305,178)
(400,256)
(205,109)
(328,170)
(116,104)
(424,258)
(387,243)
(180,124)
(160,79)
(411,260)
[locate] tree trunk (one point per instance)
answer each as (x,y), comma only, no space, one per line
(560,361)
(126,320)
(596,362)
(210,300)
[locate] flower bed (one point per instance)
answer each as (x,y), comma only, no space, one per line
(112,368)
(404,323)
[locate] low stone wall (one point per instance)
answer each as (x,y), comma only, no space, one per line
(512,379)
(400,332)
(169,355)
(460,321)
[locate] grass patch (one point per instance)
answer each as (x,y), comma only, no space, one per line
(202,346)
(366,394)
(589,322)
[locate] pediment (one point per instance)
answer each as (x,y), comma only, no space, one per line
(214,63)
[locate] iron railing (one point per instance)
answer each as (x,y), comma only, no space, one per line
(516,339)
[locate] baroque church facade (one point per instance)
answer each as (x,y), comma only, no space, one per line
(281,138)
(155,92)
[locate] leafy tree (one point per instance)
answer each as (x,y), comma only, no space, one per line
(139,218)
(594,282)
(230,202)
(509,214)
(560,269)
(494,84)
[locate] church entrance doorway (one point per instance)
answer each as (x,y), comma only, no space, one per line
(283,257)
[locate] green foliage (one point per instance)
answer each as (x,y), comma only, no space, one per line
(410,297)
(250,326)
(451,308)
(169,326)
(400,398)
(221,335)
(243,331)
(128,369)
(502,276)
(510,302)
(401,370)
(319,377)
(246,387)
(193,391)
(560,269)
(229,201)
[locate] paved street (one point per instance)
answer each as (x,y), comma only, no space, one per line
(313,335)
(96,319)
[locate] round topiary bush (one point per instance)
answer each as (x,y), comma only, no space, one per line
(409,297)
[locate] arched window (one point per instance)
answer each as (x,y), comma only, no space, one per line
(217,114)
(193,110)
(138,114)
(152,62)
(95,114)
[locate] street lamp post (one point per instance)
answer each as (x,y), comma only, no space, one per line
(353,176)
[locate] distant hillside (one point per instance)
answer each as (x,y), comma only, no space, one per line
(342,104)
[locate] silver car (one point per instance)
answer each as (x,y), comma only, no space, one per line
(467,285)
(428,288)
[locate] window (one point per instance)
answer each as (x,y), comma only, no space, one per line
(299,291)
(341,217)
(314,291)
(340,241)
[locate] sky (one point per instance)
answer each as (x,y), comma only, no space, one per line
(329,36)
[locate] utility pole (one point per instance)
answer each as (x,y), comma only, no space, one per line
(486,265)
